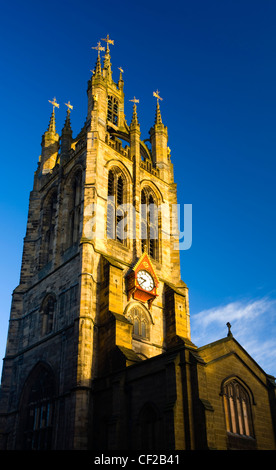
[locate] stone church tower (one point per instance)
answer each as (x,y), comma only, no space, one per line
(99,354)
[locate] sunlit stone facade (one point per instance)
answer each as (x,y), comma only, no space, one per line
(94,360)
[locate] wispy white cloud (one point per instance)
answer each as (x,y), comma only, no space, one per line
(253,326)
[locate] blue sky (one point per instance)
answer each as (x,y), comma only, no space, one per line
(214,65)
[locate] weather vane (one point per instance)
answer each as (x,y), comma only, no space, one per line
(121,70)
(54,103)
(156,94)
(98,48)
(134,100)
(108,40)
(69,106)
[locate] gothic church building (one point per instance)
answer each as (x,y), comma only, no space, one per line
(99,353)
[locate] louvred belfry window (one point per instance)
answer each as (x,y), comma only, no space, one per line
(115,209)
(149,224)
(112,110)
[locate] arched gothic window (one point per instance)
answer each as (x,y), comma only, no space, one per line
(115,213)
(47,314)
(48,228)
(149,224)
(112,110)
(37,410)
(141,324)
(75,209)
(237,409)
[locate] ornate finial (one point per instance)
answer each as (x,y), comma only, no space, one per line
(158,119)
(98,48)
(121,73)
(156,94)
(52,123)
(54,103)
(69,106)
(107,65)
(67,125)
(229,328)
(134,121)
(108,41)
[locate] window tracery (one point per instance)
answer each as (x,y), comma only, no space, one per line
(37,410)
(141,324)
(237,409)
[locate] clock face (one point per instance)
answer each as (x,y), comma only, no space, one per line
(145,280)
